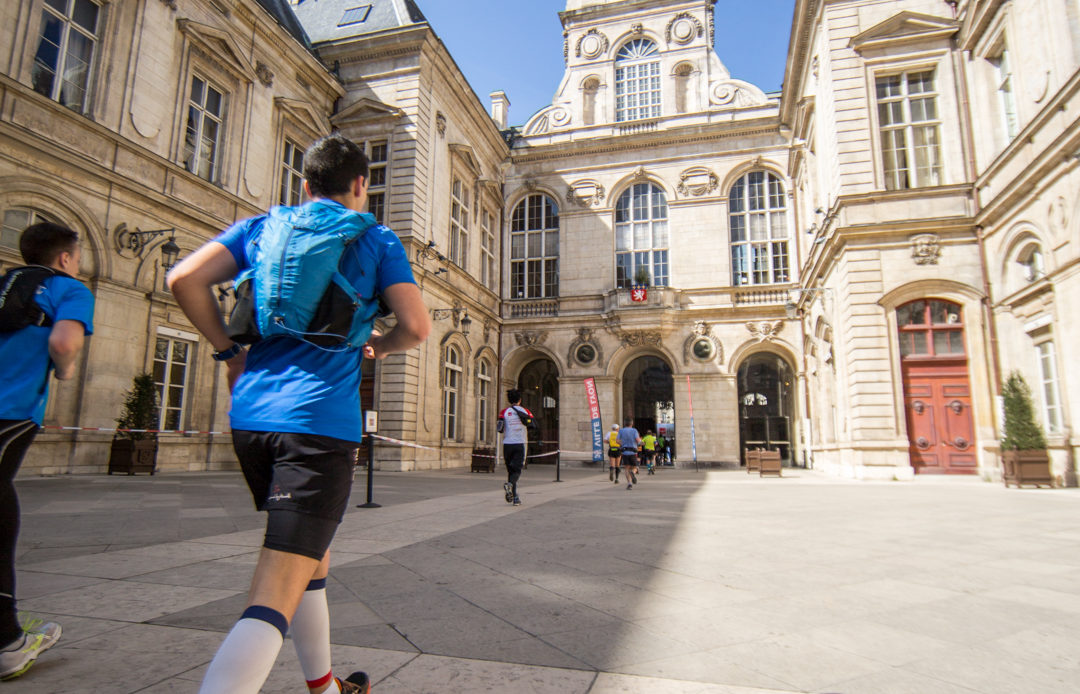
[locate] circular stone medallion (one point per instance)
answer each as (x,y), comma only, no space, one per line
(703,348)
(585,354)
(683,30)
(591,46)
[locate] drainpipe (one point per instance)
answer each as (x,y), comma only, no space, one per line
(988,308)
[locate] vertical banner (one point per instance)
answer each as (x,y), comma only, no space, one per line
(594,413)
(693,440)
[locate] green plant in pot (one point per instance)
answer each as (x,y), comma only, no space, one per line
(641,275)
(136,451)
(1024,457)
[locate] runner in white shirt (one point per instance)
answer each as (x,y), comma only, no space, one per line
(512,424)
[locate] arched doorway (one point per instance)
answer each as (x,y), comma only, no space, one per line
(766,404)
(648,395)
(937,396)
(539,386)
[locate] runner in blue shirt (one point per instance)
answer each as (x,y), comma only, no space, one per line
(27,357)
(296,422)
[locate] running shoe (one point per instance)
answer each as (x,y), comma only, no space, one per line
(517,501)
(356,683)
(629,486)
(633,478)
(509,490)
(21,655)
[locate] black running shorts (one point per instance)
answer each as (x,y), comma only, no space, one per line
(303,481)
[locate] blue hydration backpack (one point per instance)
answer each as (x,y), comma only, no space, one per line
(294,286)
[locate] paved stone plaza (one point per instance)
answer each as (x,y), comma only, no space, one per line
(695,582)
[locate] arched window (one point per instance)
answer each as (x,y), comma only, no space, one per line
(1030,261)
(637,81)
(483,401)
(641,236)
(16,219)
(757,216)
(534,248)
(930,328)
(451,392)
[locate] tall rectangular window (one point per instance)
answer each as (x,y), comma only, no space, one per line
(378,157)
(910,130)
(488,271)
(459,224)
(1006,99)
(202,138)
(292,176)
(1048,372)
(534,248)
(171,361)
(65,51)
(483,401)
(451,392)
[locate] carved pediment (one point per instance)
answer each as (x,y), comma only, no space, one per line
(905,27)
(303,114)
(219,46)
(465,154)
(366,110)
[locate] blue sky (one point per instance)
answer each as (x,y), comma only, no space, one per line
(516,45)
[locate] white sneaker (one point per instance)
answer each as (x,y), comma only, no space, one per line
(38,637)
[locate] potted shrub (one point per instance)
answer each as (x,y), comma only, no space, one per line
(134,451)
(641,276)
(1023,447)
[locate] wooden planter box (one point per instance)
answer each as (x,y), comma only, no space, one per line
(127,456)
(1027,467)
(769,463)
(483,460)
(753,461)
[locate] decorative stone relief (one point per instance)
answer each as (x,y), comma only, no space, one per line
(263,72)
(528,338)
(584,350)
(440,123)
(585,193)
(697,181)
(560,116)
(592,44)
(765,331)
(733,94)
(171,4)
(640,174)
(702,345)
(712,28)
(925,249)
(637,29)
(640,338)
(683,28)
(565,47)
(488,325)
(1058,215)
(529,184)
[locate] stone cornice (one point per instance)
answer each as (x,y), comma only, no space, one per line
(802,26)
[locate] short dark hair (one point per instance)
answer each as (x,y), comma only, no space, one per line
(513,396)
(628,421)
(42,243)
(332,163)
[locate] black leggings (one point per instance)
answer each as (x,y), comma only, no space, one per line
(514,453)
(15,437)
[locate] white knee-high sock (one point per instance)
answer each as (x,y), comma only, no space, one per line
(310,631)
(245,658)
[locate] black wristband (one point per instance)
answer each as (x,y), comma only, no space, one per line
(226,354)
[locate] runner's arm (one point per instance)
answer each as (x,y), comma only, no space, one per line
(191,283)
(413,322)
(65,341)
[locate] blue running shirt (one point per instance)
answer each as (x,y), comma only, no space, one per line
(291,386)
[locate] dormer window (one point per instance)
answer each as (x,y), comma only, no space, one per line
(637,81)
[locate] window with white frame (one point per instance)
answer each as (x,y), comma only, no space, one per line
(292,174)
(378,158)
(758,229)
(1048,374)
(637,81)
(534,248)
(459,224)
(910,129)
(171,361)
(488,270)
(65,51)
(641,236)
(1006,99)
(15,221)
(483,401)
(203,133)
(451,392)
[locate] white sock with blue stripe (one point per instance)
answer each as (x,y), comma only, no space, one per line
(245,658)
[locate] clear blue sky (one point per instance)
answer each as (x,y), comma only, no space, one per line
(516,45)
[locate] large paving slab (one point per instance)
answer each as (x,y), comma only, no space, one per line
(706,582)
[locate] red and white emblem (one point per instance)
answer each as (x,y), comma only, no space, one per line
(639,293)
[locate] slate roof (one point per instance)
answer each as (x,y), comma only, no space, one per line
(280,10)
(334,20)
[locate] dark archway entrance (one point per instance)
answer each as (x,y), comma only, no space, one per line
(649,394)
(539,386)
(766,405)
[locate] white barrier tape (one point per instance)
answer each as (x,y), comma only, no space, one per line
(403,443)
(107,430)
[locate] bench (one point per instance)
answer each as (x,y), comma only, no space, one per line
(483,460)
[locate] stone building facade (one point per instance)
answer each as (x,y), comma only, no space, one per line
(844,271)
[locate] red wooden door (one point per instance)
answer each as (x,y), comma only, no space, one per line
(937,395)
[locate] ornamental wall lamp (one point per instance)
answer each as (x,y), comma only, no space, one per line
(460,314)
(137,241)
(428,252)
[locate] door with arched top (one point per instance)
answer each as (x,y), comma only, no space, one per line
(937,394)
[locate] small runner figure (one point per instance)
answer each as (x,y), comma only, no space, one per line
(648,452)
(629,440)
(614,453)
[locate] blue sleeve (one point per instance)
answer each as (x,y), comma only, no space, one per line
(394,267)
(236,238)
(76,303)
